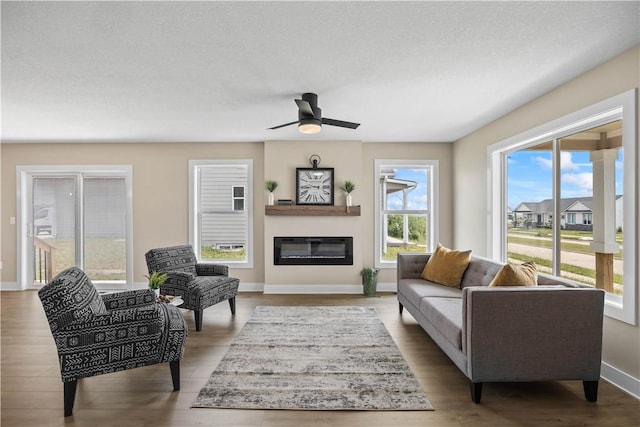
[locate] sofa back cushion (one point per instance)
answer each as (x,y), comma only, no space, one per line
(480,272)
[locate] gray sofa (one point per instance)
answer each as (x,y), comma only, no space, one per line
(552,331)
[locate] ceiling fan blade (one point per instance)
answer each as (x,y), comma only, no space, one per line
(281,126)
(304,107)
(341,123)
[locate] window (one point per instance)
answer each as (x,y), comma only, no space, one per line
(220,213)
(405,200)
(76,216)
(237,198)
(584,166)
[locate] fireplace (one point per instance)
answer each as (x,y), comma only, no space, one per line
(313,250)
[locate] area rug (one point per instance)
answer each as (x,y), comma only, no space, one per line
(313,358)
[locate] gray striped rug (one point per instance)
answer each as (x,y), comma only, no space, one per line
(313,358)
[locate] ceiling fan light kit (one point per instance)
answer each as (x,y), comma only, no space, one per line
(310,118)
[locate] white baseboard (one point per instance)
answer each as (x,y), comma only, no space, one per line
(323,289)
(250,287)
(10,286)
(620,379)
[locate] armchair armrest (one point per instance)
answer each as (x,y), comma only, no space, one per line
(128,299)
(532,334)
(177,283)
(109,328)
(212,269)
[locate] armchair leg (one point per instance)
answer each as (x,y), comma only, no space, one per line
(198,317)
(69,396)
(476,391)
(401,307)
(232,304)
(175,374)
(590,390)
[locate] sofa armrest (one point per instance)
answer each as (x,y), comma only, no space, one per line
(532,334)
(410,265)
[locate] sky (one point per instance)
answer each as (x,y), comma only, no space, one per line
(529,176)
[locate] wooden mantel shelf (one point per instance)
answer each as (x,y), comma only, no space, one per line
(310,210)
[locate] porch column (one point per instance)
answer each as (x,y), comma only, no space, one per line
(405,218)
(604,215)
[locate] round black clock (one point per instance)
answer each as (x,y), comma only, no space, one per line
(314,186)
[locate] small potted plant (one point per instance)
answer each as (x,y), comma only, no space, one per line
(348,187)
(369,280)
(156,280)
(270,186)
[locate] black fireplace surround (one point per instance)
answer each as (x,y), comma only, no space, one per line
(313,250)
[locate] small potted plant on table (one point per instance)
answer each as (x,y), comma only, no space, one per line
(156,279)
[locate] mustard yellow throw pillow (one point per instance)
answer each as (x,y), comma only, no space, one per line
(446,267)
(525,274)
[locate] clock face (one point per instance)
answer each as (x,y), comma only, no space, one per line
(314,186)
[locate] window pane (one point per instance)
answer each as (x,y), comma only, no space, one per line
(405,233)
(591,185)
(105,208)
(529,197)
(223,226)
(405,189)
(54,231)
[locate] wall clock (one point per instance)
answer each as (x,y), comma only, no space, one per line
(314,186)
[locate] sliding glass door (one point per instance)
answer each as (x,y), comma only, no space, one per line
(77,218)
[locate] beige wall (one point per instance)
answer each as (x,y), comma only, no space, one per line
(621,341)
(160,196)
(160,191)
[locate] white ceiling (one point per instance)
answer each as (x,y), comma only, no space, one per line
(226,71)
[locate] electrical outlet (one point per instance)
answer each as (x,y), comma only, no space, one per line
(12,220)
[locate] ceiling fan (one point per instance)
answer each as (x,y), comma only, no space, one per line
(310,118)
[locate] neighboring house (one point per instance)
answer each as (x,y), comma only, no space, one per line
(576,213)
(223,213)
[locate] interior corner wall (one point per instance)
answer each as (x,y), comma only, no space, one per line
(621,340)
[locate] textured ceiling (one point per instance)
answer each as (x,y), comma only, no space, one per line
(226,71)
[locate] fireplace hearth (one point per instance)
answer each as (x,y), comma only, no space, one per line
(323,250)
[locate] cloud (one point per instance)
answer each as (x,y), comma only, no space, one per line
(583,183)
(566,162)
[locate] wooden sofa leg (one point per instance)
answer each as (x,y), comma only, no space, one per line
(476,391)
(198,317)
(175,374)
(69,396)
(590,390)
(400,307)
(232,304)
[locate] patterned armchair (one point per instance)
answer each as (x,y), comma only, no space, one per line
(200,285)
(101,334)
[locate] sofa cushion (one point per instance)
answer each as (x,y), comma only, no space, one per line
(446,266)
(416,289)
(446,315)
(480,272)
(525,274)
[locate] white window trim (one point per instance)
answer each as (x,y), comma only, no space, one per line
(621,106)
(194,238)
(433,203)
(23,174)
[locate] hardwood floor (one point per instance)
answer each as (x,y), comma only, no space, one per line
(32,390)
